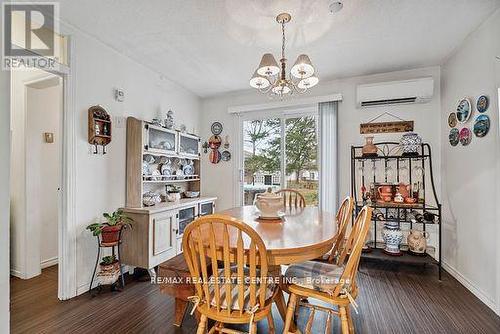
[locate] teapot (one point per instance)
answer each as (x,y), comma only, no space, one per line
(417,241)
(269,204)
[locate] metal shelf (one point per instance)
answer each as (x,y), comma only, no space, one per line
(424,161)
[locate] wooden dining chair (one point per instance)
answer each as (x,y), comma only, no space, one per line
(342,220)
(292,198)
(331,283)
(238,253)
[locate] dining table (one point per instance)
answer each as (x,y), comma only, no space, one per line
(301,234)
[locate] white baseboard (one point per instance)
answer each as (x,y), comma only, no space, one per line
(17,273)
(472,288)
(49,262)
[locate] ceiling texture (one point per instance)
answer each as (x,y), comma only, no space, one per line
(213,46)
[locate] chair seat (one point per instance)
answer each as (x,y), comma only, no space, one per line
(271,288)
(314,275)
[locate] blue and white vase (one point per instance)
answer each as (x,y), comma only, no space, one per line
(392,236)
(410,142)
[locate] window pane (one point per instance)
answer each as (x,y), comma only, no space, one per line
(301,151)
(262,152)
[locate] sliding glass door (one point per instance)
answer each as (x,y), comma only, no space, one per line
(280,152)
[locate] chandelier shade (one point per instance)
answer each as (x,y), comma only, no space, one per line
(268,65)
(259,82)
(272,78)
(303,67)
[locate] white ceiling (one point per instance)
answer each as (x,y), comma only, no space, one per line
(213,46)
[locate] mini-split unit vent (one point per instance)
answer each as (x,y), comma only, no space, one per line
(395,92)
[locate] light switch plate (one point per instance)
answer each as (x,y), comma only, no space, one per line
(119,95)
(49,137)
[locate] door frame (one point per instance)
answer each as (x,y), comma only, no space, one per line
(67,275)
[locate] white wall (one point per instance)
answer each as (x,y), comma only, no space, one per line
(100,180)
(426,117)
(470,173)
(4,198)
(44,110)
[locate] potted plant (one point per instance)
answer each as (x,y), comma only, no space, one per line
(110,229)
(173,193)
(110,270)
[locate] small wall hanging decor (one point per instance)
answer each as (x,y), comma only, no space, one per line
(464,110)
(214,142)
(465,136)
(226,156)
(226,142)
(453,137)
(481,125)
(216,128)
(482,103)
(399,125)
(215,156)
(99,132)
(452,120)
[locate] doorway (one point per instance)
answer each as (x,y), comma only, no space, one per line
(36,170)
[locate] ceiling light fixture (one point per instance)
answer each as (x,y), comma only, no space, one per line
(271,78)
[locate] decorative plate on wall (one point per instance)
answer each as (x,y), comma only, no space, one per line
(214,156)
(464,110)
(452,120)
(453,137)
(214,142)
(482,103)
(481,125)
(226,155)
(216,128)
(465,136)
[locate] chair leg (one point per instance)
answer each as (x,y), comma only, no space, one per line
(343,320)
(270,322)
(349,320)
(202,326)
(253,328)
(289,312)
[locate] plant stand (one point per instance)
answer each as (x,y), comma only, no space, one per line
(115,252)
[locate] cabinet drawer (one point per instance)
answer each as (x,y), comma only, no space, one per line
(163,233)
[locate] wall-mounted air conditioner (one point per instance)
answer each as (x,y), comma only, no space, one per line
(395,92)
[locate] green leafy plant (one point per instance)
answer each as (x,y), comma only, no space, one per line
(107,260)
(116,218)
(173,189)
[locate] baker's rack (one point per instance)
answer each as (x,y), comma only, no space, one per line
(388,155)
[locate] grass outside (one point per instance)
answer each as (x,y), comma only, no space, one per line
(309,189)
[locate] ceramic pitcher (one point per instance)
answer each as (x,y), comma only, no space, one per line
(417,241)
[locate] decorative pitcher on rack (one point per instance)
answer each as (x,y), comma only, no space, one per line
(417,241)
(392,236)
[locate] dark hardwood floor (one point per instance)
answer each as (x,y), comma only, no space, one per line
(393,300)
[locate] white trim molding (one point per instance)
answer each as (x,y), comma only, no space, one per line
(67,276)
(303,101)
(472,287)
(49,262)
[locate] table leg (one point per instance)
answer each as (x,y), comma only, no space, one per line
(180,310)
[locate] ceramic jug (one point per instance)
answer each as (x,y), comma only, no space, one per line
(417,241)
(269,204)
(369,149)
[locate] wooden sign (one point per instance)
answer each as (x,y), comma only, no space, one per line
(386,127)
